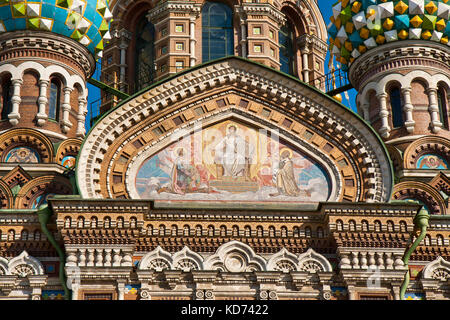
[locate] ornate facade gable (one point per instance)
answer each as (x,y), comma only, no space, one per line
(438,269)
(23,265)
(162,122)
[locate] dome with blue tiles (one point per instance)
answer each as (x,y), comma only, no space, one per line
(361,25)
(85,21)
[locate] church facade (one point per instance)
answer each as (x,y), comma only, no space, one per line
(217,168)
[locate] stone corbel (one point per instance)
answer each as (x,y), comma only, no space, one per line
(7,284)
(173,277)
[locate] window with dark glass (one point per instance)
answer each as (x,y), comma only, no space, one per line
(217,31)
(54,100)
(7,93)
(286,42)
(145,54)
(396,105)
(443,112)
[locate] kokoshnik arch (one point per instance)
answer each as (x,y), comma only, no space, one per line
(227,173)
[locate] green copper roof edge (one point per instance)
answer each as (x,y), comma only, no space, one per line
(44,213)
(265,67)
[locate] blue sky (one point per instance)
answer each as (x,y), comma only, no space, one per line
(325,7)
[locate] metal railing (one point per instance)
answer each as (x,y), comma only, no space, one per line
(333,83)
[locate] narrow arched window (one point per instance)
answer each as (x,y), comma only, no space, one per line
(403,226)
(217,31)
(223,231)
(162,230)
(271,231)
(7,93)
(133,222)
(427,240)
(248,231)
(259,231)
(396,105)
(442,103)
(67,222)
(11,235)
(440,240)
(24,235)
(390,226)
(320,233)
(296,232)
(174,230)
(198,230)
(377,226)
(145,54)
(235,231)
(286,42)
(352,225)
(186,230)
(94,222)
(307,232)
(107,222)
(54,99)
(80,222)
(365,225)
(284,232)
(211,231)
(339,225)
(120,222)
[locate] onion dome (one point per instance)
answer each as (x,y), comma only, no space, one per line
(85,21)
(361,25)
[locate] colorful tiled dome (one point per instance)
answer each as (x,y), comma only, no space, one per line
(360,25)
(86,21)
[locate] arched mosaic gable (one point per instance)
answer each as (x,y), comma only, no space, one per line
(239,89)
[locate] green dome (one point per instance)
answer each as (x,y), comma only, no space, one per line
(85,21)
(359,26)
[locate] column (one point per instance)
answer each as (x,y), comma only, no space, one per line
(436,123)
(121,289)
(192,41)
(14,115)
(408,108)
(384,113)
(66,109)
(243,37)
(365,108)
(305,68)
(42,100)
(81,116)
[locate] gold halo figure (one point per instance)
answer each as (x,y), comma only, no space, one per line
(232,124)
(177,150)
(288,150)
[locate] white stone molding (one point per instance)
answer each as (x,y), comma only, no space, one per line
(383,258)
(284,261)
(235,256)
(187,260)
(24,265)
(94,256)
(408,108)
(158,260)
(438,269)
(66,124)
(313,262)
(237,72)
(436,123)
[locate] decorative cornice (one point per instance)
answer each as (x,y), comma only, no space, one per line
(242,73)
(20,40)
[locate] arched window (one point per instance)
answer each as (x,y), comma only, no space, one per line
(198,230)
(133,222)
(440,240)
(107,222)
(144,54)
(80,222)
(365,225)
(427,240)
(296,232)
(149,229)
(247,231)
(442,103)
(339,225)
(377,226)
(271,231)
(162,230)
(24,235)
(7,93)
(403,226)
(54,99)
(94,222)
(174,230)
(259,231)
(67,222)
(217,31)
(390,226)
(320,233)
(223,231)
(284,232)
(352,225)
(119,222)
(37,235)
(286,42)
(211,231)
(235,231)
(186,230)
(11,235)
(307,232)
(396,105)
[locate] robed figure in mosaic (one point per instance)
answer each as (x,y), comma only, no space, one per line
(285,178)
